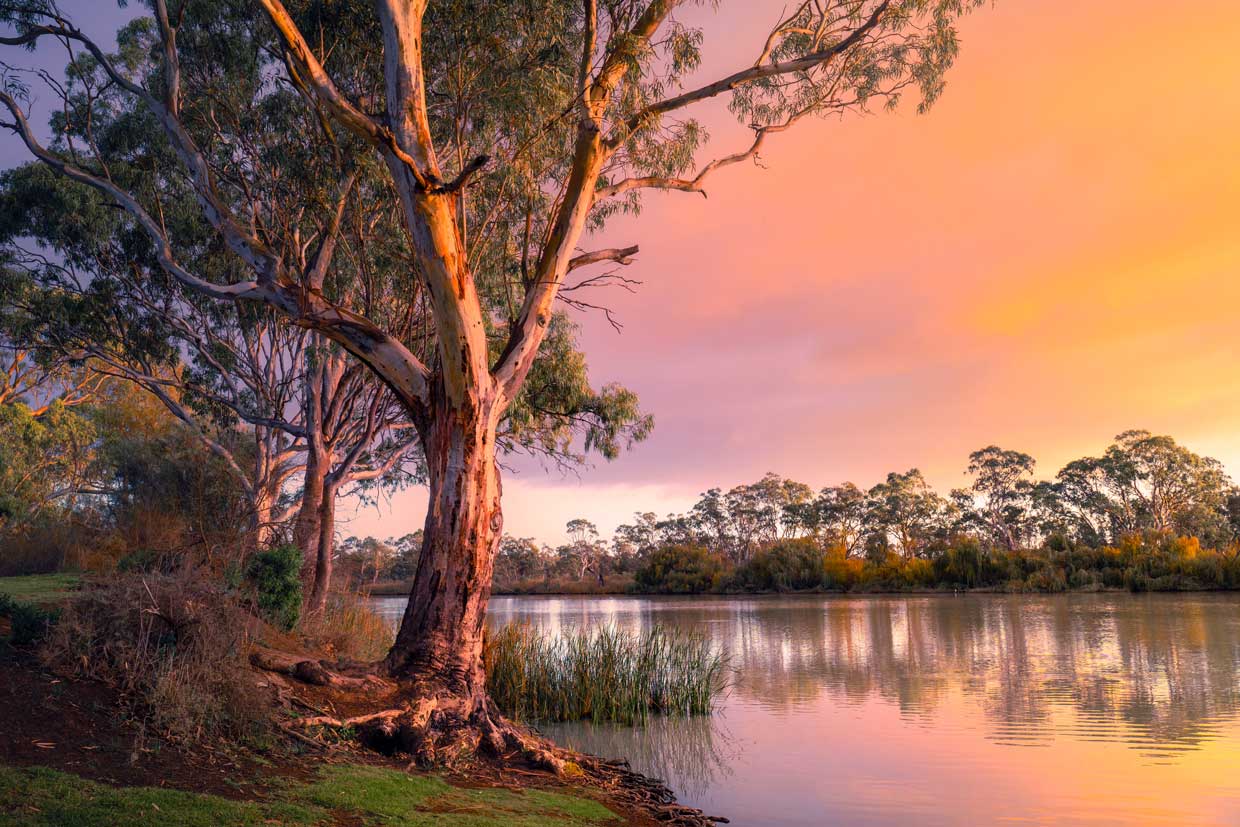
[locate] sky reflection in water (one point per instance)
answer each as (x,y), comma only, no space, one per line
(970,710)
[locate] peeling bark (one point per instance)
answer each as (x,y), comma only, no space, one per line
(440,637)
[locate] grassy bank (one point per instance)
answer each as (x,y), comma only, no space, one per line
(341,795)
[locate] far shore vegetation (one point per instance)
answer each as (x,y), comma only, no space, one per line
(1147,514)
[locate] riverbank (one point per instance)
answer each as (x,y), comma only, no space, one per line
(67,758)
(84,751)
(610,586)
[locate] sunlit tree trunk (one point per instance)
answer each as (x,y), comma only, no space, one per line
(441,634)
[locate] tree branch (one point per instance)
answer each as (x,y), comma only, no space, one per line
(398,367)
(748,75)
(620,255)
(331,235)
(163,249)
(695,184)
(313,75)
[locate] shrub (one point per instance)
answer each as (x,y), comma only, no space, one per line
(1082,579)
(275,575)
(29,623)
(885,573)
(48,544)
(961,565)
(140,560)
(918,572)
(683,569)
(787,565)
(840,571)
(1048,579)
(174,646)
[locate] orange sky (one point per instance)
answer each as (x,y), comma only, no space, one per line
(1044,260)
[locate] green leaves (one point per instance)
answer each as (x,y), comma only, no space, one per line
(42,458)
(560,417)
(276,577)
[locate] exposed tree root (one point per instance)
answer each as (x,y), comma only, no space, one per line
(438,728)
(317,672)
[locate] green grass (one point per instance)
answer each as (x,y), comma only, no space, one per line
(39,797)
(40,588)
(606,674)
(388,797)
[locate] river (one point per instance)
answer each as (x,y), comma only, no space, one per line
(971,710)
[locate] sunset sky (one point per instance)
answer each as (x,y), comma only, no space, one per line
(1047,258)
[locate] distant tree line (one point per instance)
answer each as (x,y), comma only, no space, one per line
(1146,513)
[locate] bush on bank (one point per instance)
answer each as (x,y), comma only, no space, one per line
(680,569)
(174,643)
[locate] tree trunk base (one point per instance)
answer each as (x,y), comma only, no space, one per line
(436,728)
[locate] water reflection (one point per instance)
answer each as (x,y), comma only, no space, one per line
(869,710)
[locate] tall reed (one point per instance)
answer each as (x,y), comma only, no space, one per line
(606,674)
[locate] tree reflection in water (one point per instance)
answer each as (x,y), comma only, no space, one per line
(890,710)
(1154,671)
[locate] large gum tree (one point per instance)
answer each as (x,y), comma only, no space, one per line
(503,134)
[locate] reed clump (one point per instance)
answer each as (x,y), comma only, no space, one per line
(605,674)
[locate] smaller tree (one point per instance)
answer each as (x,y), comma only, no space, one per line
(633,542)
(1001,493)
(904,513)
(836,517)
(519,559)
(585,553)
(1162,482)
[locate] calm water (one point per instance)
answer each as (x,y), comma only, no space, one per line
(974,710)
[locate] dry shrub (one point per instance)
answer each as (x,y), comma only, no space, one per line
(348,629)
(28,554)
(48,545)
(161,530)
(173,645)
